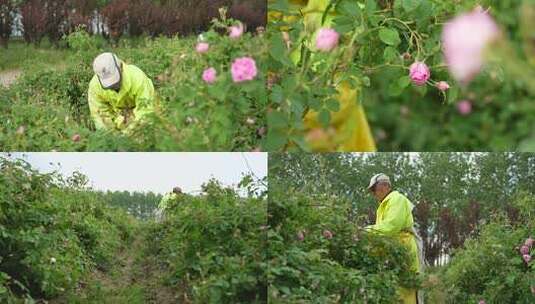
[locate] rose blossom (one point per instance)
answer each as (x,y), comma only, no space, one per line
(464,107)
(243,69)
(236,31)
(465,38)
(443,86)
(202,47)
(419,73)
(327,39)
(209,75)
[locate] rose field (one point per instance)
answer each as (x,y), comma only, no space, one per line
(430,75)
(209,83)
(63,242)
(474,213)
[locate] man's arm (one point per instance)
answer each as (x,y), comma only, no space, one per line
(101,111)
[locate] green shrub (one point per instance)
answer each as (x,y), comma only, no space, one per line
(214,247)
(46,107)
(490,267)
(52,233)
(379,40)
(305,266)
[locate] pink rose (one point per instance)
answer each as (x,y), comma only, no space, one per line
(300,236)
(529,242)
(236,31)
(465,38)
(442,86)
(202,47)
(327,39)
(464,107)
(482,302)
(419,73)
(76,137)
(327,234)
(526,258)
(524,249)
(209,75)
(243,69)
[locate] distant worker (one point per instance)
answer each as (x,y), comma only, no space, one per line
(394,218)
(120,95)
(168,198)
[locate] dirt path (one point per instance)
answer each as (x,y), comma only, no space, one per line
(9,77)
(134,278)
(152,277)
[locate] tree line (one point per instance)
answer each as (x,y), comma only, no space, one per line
(114,18)
(139,204)
(453,193)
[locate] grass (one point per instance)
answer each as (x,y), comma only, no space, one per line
(28,57)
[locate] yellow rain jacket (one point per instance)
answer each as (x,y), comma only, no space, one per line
(349,129)
(166,200)
(124,109)
(394,218)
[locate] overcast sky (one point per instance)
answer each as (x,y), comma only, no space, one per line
(157,172)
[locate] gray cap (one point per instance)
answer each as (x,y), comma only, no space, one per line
(381,177)
(106,66)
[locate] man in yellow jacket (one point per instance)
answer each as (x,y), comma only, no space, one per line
(120,95)
(169,198)
(166,201)
(394,218)
(349,129)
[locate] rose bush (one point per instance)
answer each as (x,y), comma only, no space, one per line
(198,110)
(477,48)
(317,254)
(53,233)
(213,246)
(495,266)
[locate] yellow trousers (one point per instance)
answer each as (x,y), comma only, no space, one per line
(407,296)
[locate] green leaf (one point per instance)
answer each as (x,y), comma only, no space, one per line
(453,94)
(394,89)
(276,120)
(389,36)
(371,7)
(333,105)
(277,95)
(349,8)
(404,81)
(390,54)
(344,24)
(275,141)
(314,103)
(324,117)
(410,5)
(277,50)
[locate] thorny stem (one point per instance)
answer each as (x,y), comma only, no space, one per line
(414,35)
